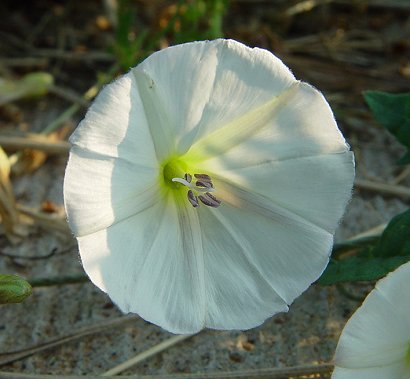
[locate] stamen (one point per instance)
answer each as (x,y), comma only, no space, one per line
(204,181)
(188,178)
(203,177)
(202,186)
(210,200)
(192,199)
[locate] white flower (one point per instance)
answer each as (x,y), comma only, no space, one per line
(205,185)
(375,343)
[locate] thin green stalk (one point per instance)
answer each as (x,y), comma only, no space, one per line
(58,280)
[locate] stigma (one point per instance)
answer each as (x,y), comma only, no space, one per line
(199,190)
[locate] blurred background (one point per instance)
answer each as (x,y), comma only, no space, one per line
(54,58)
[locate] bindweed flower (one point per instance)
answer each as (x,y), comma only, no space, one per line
(375,343)
(205,185)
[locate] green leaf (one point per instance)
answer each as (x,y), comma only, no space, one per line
(393,112)
(355,269)
(395,240)
(391,250)
(13,289)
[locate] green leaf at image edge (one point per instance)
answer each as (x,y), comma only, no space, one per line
(392,111)
(395,240)
(13,289)
(374,262)
(360,269)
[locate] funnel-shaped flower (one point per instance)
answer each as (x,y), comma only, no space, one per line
(204,187)
(375,343)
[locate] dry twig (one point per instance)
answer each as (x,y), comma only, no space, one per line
(47,221)
(35,142)
(383,188)
(146,354)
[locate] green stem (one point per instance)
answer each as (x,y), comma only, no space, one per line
(58,280)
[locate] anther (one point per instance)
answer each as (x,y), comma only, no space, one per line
(203,177)
(209,200)
(192,199)
(204,184)
(188,178)
(204,181)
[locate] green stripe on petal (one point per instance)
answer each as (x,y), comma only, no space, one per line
(408,356)
(240,129)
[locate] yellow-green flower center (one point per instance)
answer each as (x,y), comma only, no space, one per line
(173,168)
(198,186)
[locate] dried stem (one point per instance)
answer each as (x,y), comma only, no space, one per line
(386,189)
(146,354)
(272,373)
(34,141)
(50,222)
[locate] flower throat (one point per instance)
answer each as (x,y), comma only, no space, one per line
(200,186)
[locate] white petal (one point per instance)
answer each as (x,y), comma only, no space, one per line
(257,259)
(158,120)
(204,85)
(246,79)
(394,371)
(315,188)
(238,294)
(112,170)
(100,190)
(116,126)
(394,288)
(151,264)
(378,333)
(301,126)
(179,80)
